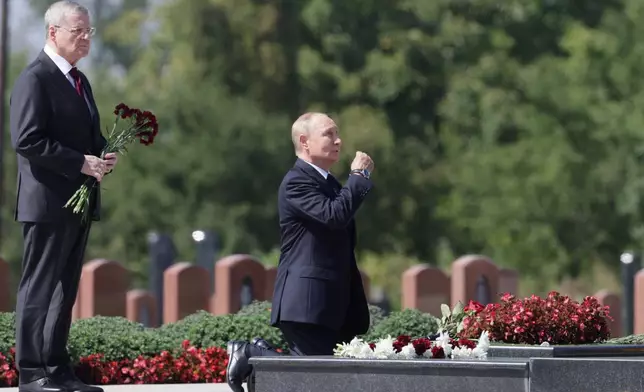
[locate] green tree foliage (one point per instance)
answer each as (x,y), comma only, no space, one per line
(509,128)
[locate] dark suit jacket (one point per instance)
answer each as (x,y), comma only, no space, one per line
(318,281)
(51,131)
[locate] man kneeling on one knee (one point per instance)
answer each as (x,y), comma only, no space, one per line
(318,300)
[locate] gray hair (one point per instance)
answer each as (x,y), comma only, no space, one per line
(57,13)
(303,126)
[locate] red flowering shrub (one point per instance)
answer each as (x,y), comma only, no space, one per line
(189,365)
(8,373)
(556,319)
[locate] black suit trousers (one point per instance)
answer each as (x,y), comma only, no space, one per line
(303,339)
(51,269)
(306,339)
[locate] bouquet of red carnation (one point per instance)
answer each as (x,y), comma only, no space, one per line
(135,124)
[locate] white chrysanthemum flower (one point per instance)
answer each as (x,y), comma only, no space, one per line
(365,352)
(408,352)
(341,350)
(385,348)
(480,351)
(355,349)
(443,341)
(462,352)
(479,354)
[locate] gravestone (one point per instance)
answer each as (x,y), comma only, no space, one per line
(271,275)
(237,276)
(141,308)
(187,290)
(474,277)
(162,255)
(246,295)
(483,290)
(103,288)
(614,303)
(425,288)
(207,247)
(508,281)
(380,299)
(638,303)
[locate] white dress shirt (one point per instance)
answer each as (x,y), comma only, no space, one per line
(323,172)
(64,66)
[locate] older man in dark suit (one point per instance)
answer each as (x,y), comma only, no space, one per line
(55,131)
(319,299)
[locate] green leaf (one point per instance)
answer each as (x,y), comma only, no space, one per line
(445,310)
(458,308)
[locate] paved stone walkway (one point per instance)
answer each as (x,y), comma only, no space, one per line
(218,387)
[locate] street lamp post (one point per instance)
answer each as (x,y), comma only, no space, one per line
(630,263)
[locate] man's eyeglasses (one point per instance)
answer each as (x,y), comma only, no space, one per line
(90,31)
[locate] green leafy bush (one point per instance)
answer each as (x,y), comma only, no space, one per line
(7,331)
(256,307)
(204,329)
(118,338)
(115,337)
(410,322)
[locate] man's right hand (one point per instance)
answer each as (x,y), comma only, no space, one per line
(94,166)
(362,161)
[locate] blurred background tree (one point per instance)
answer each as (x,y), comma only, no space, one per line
(510,129)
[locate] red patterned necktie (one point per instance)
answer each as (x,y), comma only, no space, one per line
(77,80)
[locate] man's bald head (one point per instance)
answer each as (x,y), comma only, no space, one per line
(315,138)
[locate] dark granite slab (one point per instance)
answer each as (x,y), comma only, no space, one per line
(329,374)
(586,374)
(598,350)
(590,368)
(566,351)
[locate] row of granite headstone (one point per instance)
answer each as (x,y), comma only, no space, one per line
(239,279)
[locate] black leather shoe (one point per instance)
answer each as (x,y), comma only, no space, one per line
(72,384)
(259,342)
(44,384)
(238,368)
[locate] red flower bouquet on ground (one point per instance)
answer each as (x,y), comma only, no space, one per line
(130,124)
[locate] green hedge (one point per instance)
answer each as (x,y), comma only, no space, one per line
(119,338)
(7,331)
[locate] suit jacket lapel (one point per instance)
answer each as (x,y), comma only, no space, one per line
(315,175)
(63,84)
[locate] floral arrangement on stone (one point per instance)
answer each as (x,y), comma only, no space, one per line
(404,347)
(451,321)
